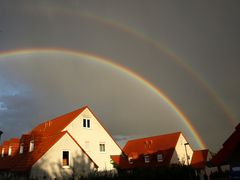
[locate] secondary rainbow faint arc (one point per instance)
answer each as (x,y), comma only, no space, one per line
(122,69)
(178,60)
(157,45)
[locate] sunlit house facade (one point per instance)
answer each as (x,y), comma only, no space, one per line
(155,151)
(163,150)
(73,144)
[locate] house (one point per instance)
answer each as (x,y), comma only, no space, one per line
(155,151)
(73,144)
(200,161)
(163,150)
(229,155)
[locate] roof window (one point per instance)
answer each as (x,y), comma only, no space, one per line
(31,146)
(21,148)
(10,151)
(147,159)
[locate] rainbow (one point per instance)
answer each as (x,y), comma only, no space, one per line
(210,91)
(141,36)
(122,69)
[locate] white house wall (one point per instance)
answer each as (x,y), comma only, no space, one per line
(92,137)
(50,164)
(210,170)
(179,155)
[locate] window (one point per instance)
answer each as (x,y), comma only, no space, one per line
(10,150)
(86,123)
(146,159)
(130,160)
(159,158)
(31,146)
(2,152)
(21,148)
(65,158)
(102,147)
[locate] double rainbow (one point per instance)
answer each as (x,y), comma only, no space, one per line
(121,69)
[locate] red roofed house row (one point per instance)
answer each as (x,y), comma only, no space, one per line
(199,163)
(229,155)
(163,150)
(155,151)
(72,144)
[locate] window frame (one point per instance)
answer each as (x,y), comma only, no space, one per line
(146,158)
(86,123)
(130,160)
(158,157)
(2,153)
(102,147)
(9,150)
(31,146)
(62,159)
(21,148)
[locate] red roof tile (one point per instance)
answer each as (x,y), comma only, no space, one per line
(44,135)
(199,159)
(230,150)
(57,124)
(151,146)
(24,162)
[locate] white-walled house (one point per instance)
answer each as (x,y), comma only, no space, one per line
(199,163)
(155,151)
(73,144)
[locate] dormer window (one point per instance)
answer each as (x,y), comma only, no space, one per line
(130,160)
(2,152)
(147,159)
(86,123)
(159,158)
(21,148)
(10,151)
(31,146)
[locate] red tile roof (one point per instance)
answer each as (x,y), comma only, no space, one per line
(230,151)
(44,135)
(42,144)
(199,159)
(151,146)
(57,124)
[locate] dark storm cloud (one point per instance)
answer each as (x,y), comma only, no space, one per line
(203,34)
(15,118)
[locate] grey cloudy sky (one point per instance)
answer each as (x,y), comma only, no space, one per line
(147,37)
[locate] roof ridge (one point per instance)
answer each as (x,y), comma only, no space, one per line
(54,120)
(155,136)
